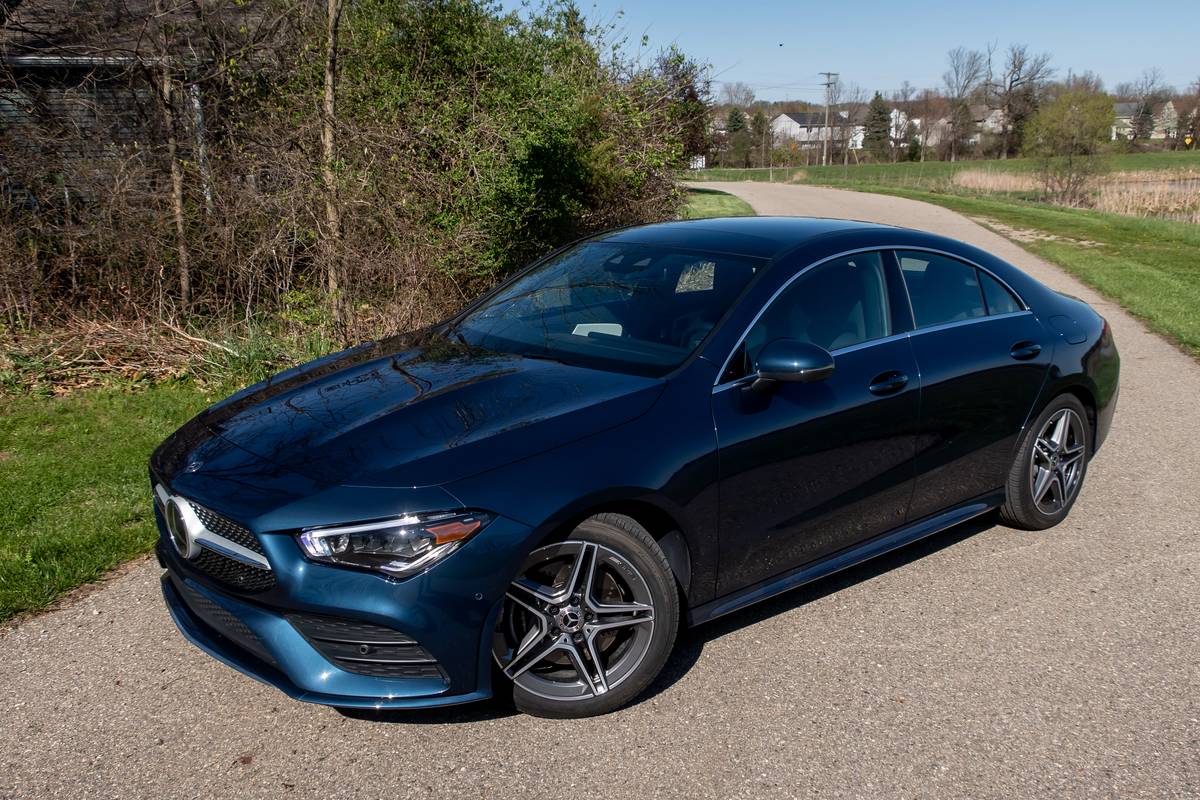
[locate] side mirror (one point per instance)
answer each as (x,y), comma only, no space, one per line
(792,361)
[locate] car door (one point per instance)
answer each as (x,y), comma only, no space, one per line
(983,358)
(807,469)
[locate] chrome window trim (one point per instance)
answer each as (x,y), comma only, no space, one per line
(941,326)
(956,257)
(895,249)
(885,339)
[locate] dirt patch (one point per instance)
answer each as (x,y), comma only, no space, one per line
(1027,235)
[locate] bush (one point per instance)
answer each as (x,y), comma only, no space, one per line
(469,141)
(1066,137)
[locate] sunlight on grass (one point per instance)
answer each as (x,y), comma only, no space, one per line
(75,488)
(706,203)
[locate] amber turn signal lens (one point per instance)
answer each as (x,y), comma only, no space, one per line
(453,531)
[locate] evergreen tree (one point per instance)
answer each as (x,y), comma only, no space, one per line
(735,121)
(877,138)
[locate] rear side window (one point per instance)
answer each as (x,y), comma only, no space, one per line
(941,289)
(999,299)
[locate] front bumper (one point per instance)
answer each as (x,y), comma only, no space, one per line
(450,611)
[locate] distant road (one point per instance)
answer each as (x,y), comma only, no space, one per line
(985,663)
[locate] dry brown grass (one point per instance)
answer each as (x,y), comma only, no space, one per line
(83,353)
(986,180)
(1171,194)
(1174,195)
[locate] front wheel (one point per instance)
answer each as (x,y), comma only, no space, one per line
(1050,466)
(589,622)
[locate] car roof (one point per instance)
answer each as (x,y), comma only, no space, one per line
(757,237)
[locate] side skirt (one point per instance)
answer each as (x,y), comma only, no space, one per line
(844,559)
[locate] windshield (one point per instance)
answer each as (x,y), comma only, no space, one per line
(634,308)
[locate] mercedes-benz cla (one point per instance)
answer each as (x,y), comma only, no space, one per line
(649,428)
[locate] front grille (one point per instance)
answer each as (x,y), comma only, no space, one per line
(231,573)
(367,649)
(227,528)
(223,622)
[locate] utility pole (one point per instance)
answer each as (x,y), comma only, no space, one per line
(830,80)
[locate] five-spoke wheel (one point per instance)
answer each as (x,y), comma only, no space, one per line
(1051,463)
(1056,461)
(589,621)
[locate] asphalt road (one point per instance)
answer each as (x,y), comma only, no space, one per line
(986,662)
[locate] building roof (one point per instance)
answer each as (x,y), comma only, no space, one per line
(807,119)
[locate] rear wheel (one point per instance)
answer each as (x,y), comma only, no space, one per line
(1050,466)
(589,622)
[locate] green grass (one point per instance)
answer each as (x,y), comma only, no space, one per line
(74,496)
(706,203)
(1150,266)
(918,175)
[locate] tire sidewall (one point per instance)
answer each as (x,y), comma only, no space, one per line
(1026,509)
(632,542)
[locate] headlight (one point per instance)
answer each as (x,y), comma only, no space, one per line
(399,547)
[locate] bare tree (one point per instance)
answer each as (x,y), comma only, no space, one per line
(333,213)
(1086,81)
(928,107)
(850,100)
(6,9)
(901,129)
(736,94)
(1146,92)
(1014,91)
(966,72)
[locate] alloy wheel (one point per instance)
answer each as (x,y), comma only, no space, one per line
(1056,462)
(576,622)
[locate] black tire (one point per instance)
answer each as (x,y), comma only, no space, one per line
(618,544)
(1021,509)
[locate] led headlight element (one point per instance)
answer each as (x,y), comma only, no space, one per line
(400,546)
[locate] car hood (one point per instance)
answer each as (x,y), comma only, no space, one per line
(421,411)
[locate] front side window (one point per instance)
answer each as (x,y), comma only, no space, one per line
(835,305)
(941,289)
(641,309)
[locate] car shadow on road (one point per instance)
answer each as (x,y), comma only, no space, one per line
(691,641)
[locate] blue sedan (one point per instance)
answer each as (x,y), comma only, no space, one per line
(649,428)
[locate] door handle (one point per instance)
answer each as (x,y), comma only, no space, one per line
(1023,351)
(888,383)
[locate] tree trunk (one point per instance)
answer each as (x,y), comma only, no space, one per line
(333,213)
(168,111)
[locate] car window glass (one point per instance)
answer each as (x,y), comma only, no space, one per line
(999,299)
(622,306)
(941,289)
(835,305)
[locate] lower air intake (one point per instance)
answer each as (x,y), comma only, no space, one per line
(366,649)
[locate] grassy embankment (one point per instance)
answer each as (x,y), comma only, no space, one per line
(74,496)
(1150,266)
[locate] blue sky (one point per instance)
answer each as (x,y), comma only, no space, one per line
(778,47)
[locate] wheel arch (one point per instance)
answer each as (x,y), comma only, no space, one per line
(661,523)
(1085,395)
